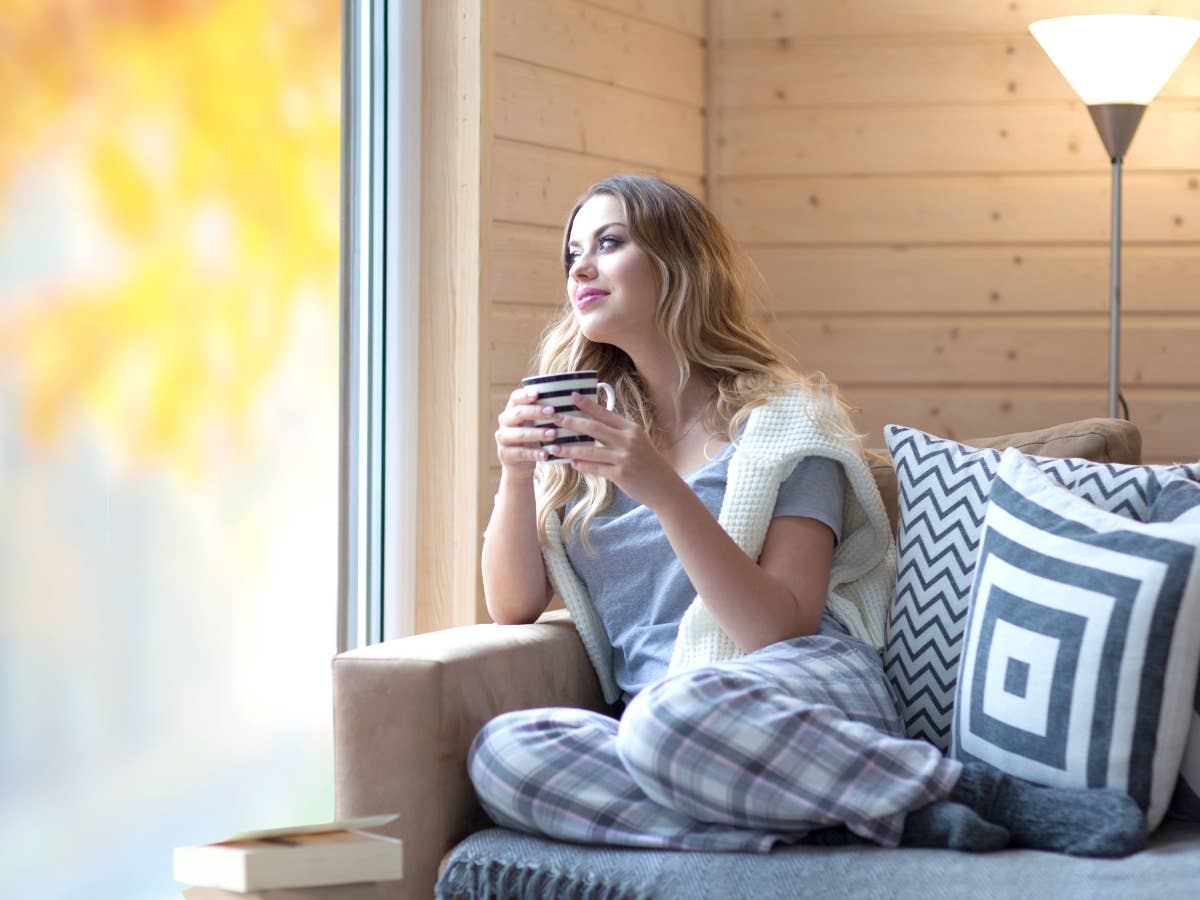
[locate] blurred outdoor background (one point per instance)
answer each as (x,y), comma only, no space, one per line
(168,431)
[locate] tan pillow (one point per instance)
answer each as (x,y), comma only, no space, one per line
(1098,440)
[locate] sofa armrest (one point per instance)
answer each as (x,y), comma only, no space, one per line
(405,712)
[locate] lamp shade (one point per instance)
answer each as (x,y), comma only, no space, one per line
(1116,59)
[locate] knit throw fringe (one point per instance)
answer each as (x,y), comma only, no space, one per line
(493,879)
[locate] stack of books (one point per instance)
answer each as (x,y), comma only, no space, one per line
(334,861)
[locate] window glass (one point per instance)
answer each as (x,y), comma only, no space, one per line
(169,228)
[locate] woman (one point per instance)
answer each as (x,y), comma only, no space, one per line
(726,558)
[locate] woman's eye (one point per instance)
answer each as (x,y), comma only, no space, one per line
(607,243)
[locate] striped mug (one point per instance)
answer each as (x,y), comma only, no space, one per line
(555,390)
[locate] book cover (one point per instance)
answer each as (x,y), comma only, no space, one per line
(341,853)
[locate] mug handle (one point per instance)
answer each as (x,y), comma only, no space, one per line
(610,395)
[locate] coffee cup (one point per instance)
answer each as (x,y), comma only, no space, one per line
(555,390)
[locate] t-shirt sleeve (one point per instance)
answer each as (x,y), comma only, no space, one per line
(814,490)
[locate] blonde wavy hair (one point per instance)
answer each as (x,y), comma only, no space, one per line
(704,314)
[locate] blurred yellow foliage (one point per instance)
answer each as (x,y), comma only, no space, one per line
(207,134)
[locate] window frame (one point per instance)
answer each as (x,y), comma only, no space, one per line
(379,358)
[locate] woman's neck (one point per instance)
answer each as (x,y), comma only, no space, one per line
(674,409)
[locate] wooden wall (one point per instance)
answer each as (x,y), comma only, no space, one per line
(925,196)
(929,203)
(581,91)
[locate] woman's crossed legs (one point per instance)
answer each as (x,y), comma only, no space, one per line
(798,736)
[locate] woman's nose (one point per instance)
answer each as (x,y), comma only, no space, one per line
(582,268)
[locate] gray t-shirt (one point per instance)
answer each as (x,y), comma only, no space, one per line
(638,585)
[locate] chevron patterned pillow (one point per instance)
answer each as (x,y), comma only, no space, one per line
(1080,653)
(943,488)
(1180,502)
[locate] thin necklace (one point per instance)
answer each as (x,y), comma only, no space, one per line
(686,433)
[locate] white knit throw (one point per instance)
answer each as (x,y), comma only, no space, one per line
(776,437)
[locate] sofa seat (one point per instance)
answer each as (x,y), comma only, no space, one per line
(499,863)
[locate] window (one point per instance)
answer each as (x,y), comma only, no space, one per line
(169,431)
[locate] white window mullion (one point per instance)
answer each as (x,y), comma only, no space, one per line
(381,181)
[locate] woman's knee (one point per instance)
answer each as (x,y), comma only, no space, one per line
(525,739)
(682,705)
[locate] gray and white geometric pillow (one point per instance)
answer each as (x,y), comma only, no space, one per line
(1080,654)
(1180,502)
(943,488)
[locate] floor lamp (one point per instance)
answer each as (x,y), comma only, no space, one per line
(1117,65)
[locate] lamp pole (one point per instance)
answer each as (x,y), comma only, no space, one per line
(1117,124)
(1114,309)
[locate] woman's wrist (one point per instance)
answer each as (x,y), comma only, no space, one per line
(514,480)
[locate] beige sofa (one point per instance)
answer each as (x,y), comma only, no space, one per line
(405,711)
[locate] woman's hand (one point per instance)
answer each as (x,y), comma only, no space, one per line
(518,442)
(623,453)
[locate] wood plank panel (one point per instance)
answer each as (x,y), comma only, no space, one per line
(901,71)
(1168,419)
(537,186)
(603,45)
(959,209)
(944,139)
(688,16)
(515,331)
(555,109)
(526,266)
(976,280)
(1045,350)
(1160,350)
(454,261)
(757,19)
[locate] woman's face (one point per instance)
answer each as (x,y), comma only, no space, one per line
(612,283)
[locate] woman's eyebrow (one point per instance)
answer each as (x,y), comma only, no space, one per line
(596,232)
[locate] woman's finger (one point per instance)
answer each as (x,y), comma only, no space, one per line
(584,450)
(596,411)
(515,415)
(585,467)
(519,454)
(515,436)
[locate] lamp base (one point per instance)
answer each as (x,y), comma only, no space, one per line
(1117,123)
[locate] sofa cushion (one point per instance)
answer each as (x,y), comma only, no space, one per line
(1180,502)
(1080,652)
(1100,440)
(943,488)
(500,863)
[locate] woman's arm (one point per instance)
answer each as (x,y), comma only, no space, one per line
(515,585)
(780,595)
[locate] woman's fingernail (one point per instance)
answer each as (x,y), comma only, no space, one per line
(549,433)
(542,454)
(547,410)
(530,392)
(554,448)
(557,418)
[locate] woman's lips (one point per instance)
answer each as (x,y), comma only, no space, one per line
(587,298)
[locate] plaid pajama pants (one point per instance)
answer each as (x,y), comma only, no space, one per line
(739,755)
